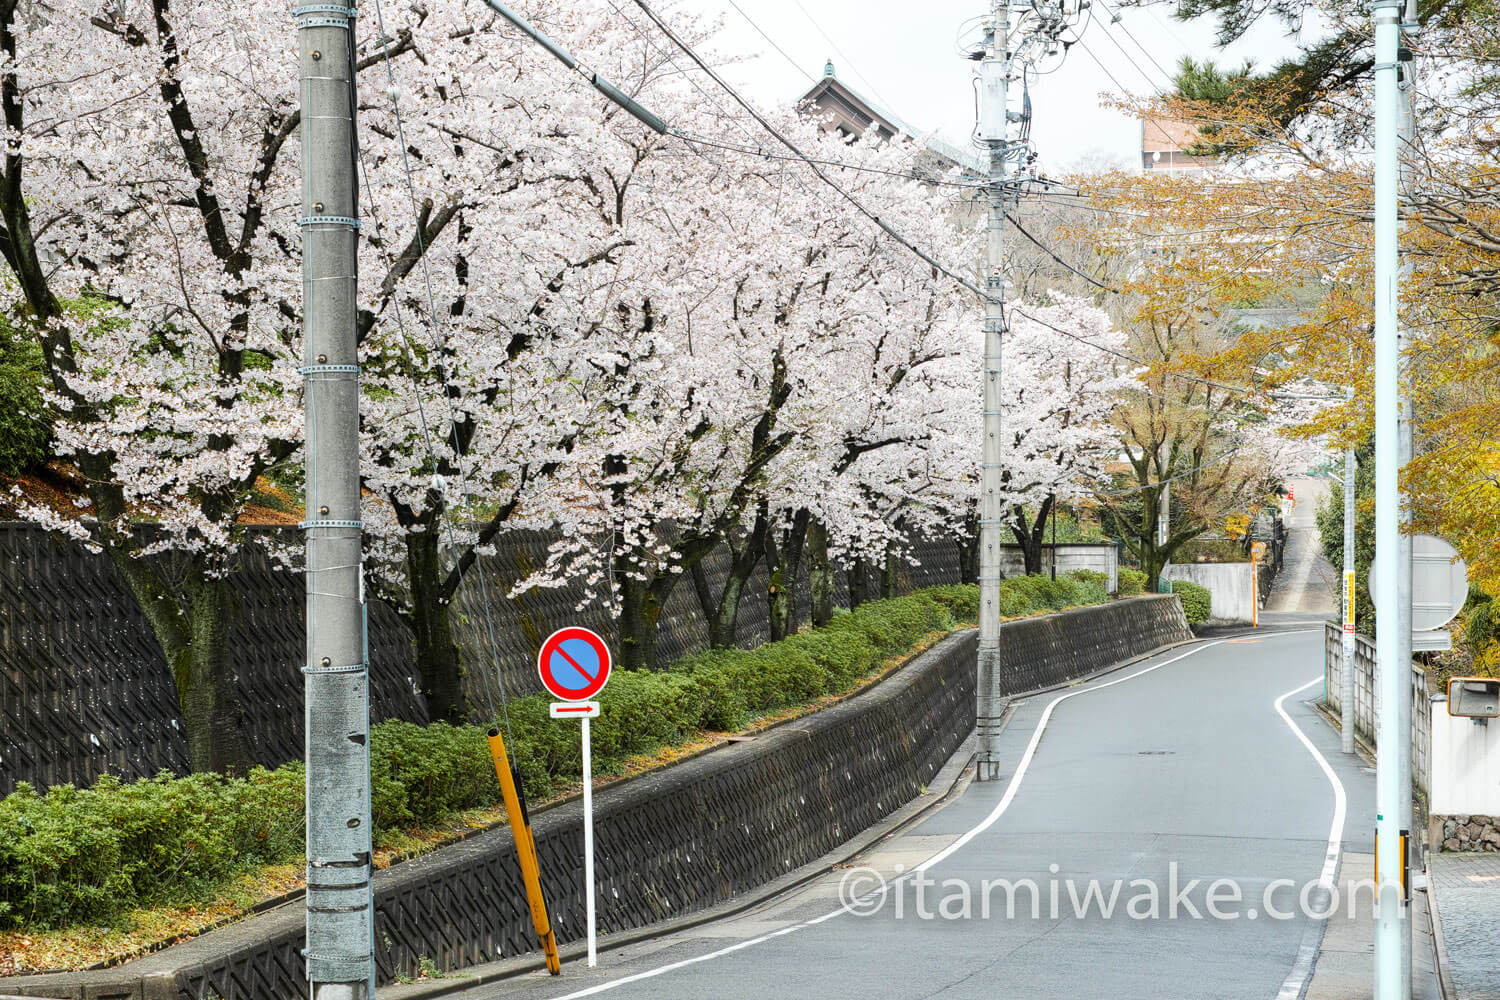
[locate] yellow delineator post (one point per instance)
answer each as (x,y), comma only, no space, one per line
(520,828)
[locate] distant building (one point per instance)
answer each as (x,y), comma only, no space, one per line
(1165,145)
(844,110)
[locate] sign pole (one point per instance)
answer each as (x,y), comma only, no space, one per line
(588,842)
(574,665)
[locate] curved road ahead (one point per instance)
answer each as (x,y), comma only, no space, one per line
(1183,759)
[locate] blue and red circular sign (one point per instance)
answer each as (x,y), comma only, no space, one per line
(574,664)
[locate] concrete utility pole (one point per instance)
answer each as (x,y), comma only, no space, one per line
(340,919)
(1393,671)
(993,128)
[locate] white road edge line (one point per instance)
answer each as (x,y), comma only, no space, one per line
(947,852)
(1302,969)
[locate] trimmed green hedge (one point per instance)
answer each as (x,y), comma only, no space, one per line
(72,855)
(1197,602)
(1132,582)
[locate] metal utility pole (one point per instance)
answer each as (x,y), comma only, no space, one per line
(1163,525)
(1392,670)
(1406,136)
(340,919)
(1346,670)
(993,128)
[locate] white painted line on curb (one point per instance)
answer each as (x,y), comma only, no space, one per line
(1296,980)
(940,856)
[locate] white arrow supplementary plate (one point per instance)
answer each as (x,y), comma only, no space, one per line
(573,709)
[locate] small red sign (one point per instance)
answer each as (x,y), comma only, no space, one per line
(573,664)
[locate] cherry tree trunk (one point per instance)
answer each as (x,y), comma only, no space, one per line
(206,687)
(859,583)
(784,561)
(439,663)
(193,631)
(641,604)
(820,573)
(890,574)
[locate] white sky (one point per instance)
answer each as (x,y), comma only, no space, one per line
(903,56)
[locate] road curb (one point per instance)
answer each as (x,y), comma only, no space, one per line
(1439,944)
(949,782)
(953,778)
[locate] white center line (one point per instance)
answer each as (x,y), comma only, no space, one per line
(940,856)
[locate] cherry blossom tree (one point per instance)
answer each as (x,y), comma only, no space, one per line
(150,208)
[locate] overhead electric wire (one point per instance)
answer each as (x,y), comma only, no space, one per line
(761,119)
(772,42)
(448,395)
(1172,479)
(1051,253)
(656,123)
(1134,360)
(840,53)
(1100,63)
(769,155)
(1118,18)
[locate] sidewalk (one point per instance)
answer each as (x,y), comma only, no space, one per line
(1345,969)
(1465,891)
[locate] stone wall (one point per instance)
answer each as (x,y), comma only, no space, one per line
(1469,833)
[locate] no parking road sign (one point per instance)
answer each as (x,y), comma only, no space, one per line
(574,664)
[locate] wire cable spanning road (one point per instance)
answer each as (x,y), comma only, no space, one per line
(1145,787)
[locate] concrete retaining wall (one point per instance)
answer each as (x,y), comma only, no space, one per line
(1233,586)
(670,842)
(1101,557)
(1367,702)
(1465,764)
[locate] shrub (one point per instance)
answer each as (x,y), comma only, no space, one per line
(1093,585)
(1197,602)
(1482,631)
(72,855)
(1132,582)
(24,427)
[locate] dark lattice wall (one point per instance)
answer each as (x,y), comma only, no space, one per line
(668,843)
(85,689)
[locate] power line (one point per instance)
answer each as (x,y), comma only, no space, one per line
(1128,57)
(844,192)
(1050,253)
(1098,62)
(659,125)
(767,154)
(1117,18)
(840,53)
(1127,357)
(772,42)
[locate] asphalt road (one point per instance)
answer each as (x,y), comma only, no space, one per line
(1183,760)
(1306,582)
